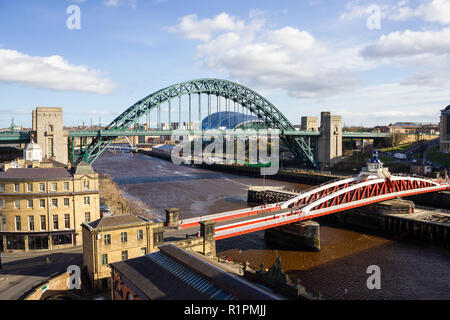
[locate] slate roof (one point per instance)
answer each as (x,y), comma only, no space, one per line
(35,174)
(174,273)
(115,221)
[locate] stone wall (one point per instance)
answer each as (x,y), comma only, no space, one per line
(50,287)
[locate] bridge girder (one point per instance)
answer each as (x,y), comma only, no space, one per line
(249,99)
(335,193)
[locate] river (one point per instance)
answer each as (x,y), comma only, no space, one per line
(409,269)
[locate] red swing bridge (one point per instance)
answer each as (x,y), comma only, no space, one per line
(373,184)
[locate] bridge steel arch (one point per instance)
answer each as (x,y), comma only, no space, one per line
(249,99)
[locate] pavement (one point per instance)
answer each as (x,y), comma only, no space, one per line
(21,271)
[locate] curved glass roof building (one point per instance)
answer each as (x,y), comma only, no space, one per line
(229,120)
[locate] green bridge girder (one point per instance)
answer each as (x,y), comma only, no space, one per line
(131,133)
(247,98)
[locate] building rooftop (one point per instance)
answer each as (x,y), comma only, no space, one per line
(84,168)
(174,273)
(35,174)
(115,221)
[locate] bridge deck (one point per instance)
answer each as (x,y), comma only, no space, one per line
(175,234)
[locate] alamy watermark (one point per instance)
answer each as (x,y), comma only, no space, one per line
(74,281)
(374,281)
(373,22)
(259,148)
(74,20)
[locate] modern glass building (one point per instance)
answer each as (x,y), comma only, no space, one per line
(230,120)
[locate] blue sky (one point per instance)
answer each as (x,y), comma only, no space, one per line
(304,56)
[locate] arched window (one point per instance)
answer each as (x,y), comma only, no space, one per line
(50,128)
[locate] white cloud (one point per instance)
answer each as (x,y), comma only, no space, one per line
(353,11)
(112,3)
(204,29)
(428,78)
(265,58)
(51,72)
(410,43)
(433,11)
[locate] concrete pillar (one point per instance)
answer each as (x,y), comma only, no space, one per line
(172,217)
(207,231)
(25,240)
(50,242)
(330,141)
(305,234)
(158,237)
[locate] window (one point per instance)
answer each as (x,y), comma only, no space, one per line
(50,128)
(87,200)
(86,185)
(29,187)
(87,217)
(67,221)
(104,259)
(41,203)
(123,236)
(50,147)
(30,204)
(18,223)
(140,235)
(2,223)
(55,222)
(107,239)
(17,204)
(54,186)
(2,187)
(124,255)
(41,187)
(16,187)
(66,202)
(62,239)
(31,223)
(2,203)
(143,251)
(43,224)
(55,203)
(66,186)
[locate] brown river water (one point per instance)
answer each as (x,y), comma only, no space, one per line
(409,269)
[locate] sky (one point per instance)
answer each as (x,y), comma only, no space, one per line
(373,62)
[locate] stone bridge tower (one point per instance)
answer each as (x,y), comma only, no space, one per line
(48,132)
(330,141)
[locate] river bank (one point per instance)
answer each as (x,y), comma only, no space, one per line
(118,201)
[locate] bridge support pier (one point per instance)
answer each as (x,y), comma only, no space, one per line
(207,230)
(330,142)
(172,217)
(304,234)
